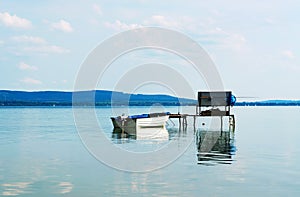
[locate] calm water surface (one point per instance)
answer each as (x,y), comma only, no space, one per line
(41,154)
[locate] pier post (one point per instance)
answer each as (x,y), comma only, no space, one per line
(232,123)
(122,126)
(184,122)
(179,120)
(221,117)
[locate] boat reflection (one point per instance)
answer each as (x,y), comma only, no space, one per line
(215,147)
(142,133)
(119,134)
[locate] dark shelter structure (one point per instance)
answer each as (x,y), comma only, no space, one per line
(216,103)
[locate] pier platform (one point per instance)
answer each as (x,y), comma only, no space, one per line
(210,104)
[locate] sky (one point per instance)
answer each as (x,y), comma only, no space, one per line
(254,44)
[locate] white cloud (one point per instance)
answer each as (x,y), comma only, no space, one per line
(120,26)
(162,21)
(24,66)
(60,82)
(14,21)
(215,12)
(97,9)
(47,49)
(38,44)
(29,39)
(235,41)
(204,29)
(269,21)
(288,54)
(62,25)
(230,40)
(29,80)
(182,23)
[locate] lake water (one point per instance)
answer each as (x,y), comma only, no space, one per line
(41,154)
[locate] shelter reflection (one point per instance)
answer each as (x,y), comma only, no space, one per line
(215,147)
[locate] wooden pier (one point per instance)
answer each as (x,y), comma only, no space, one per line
(210,104)
(181,119)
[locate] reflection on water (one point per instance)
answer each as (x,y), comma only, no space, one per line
(42,155)
(157,133)
(119,134)
(144,141)
(215,147)
(15,189)
(152,139)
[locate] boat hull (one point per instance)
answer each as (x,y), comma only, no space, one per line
(134,126)
(152,122)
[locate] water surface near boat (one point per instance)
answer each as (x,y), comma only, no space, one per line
(42,155)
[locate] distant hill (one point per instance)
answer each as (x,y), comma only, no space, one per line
(102,98)
(270,103)
(107,98)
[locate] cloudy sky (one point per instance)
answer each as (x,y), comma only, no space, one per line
(254,44)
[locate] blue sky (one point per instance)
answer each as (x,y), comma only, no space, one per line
(254,44)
